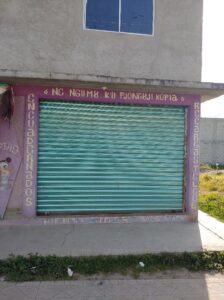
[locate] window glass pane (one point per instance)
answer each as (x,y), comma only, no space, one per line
(102,14)
(137,16)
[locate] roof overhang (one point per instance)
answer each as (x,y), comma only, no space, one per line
(207,90)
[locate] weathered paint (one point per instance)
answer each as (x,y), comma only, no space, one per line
(92,219)
(106,95)
(10,160)
(194,158)
(33,94)
(30,155)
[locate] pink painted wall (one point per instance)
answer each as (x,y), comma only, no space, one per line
(15,201)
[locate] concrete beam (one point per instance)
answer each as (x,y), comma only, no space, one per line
(207,90)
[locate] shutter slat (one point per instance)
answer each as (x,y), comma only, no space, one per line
(110,158)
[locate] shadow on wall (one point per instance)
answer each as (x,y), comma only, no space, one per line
(212,140)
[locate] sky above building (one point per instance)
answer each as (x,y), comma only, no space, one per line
(213,54)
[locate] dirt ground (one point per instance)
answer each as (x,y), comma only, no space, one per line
(169,274)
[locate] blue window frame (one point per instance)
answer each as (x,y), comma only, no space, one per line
(133,16)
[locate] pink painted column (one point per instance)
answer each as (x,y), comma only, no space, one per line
(30,155)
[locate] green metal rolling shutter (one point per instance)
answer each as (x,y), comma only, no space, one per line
(110,158)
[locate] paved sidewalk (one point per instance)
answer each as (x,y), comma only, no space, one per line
(77,240)
(207,288)
(211,224)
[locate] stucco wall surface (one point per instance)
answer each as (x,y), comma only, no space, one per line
(47,37)
(212,140)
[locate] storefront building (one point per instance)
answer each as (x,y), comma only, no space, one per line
(102,152)
(100,120)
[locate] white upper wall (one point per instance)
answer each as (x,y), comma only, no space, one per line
(47,36)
